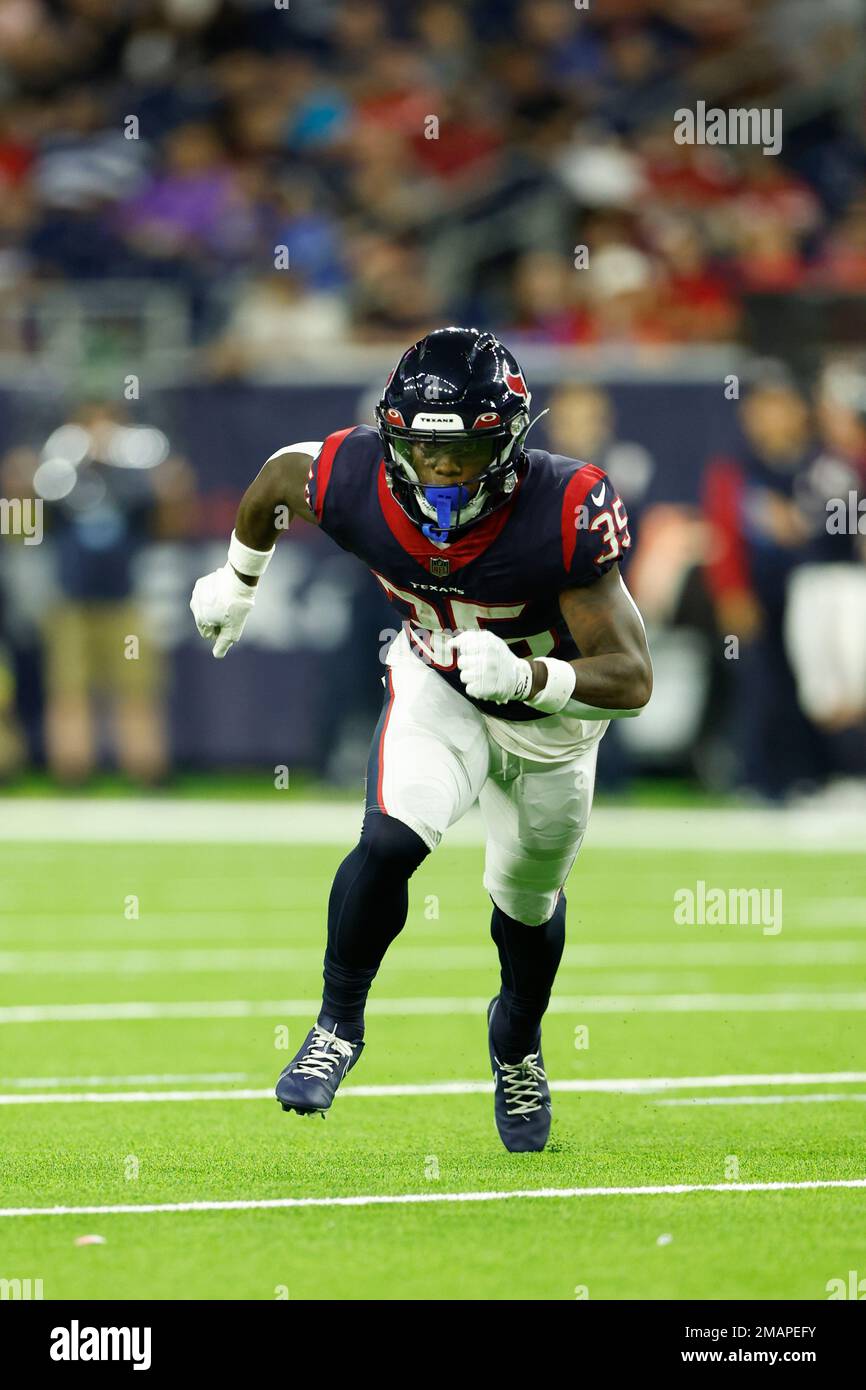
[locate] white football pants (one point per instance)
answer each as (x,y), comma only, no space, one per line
(434,755)
(825,635)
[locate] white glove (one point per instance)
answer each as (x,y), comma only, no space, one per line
(489,669)
(221,604)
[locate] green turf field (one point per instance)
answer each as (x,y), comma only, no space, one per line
(226,951)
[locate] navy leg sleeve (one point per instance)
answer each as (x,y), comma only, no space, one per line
(529,958)
(367,909)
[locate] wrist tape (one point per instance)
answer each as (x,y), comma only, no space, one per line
(246,561)
(558,689)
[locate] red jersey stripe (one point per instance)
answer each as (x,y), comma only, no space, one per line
(579,484)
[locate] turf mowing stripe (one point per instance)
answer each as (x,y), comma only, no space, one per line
(445,958)
(840,908)
(611,1086)
(782,1002)
(767,1100)
(168,821)
(36,1081)
(130,1097)
(419,1198)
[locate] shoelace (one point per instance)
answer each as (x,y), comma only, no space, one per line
(323,1054)
(520,1083)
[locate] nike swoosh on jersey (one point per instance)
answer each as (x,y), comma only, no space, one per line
(598,500)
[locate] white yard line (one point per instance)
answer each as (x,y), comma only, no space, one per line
(625,1085)
(422,1198)
(781,1002)
(589,956)
(272,821)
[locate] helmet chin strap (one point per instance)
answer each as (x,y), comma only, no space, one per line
(540,416)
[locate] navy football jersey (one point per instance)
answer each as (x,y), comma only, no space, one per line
(562,527)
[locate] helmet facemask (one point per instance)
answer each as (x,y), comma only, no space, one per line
(443,510)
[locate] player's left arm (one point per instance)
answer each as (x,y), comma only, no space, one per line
(614,670)
(612,678)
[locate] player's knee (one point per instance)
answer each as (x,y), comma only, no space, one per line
(556,916)
(529,906)
(390,842)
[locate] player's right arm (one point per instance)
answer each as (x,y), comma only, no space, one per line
(273,497)
(222,601)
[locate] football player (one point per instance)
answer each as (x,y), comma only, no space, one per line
(518,643)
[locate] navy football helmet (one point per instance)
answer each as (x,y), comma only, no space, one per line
(461,391)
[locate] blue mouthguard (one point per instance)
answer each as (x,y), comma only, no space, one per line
(447,501)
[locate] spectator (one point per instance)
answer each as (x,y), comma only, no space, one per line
(193,208)
(275,320)
(582,424)
(758,537)
(824,627)
(841,263)
(98,478)
(623,300)
(544,297)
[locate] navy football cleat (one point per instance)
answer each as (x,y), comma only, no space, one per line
(309,1083)
(521,1097)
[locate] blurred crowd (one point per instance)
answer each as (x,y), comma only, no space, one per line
(338,171)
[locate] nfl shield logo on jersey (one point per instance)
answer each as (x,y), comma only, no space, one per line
(440,567)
